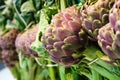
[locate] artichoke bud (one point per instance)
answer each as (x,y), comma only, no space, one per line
(9,57)
(7,39)
(24,41)
(64,39)
(95,16)
(108,40)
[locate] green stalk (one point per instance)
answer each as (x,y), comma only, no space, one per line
(15,71)
(22,67)
(38,74)
(95,75)
(75,74)
(104,72)
(63,4)
(32,66)
(62,73)
(52,72)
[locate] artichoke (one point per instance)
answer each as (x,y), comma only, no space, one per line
(114,16)
(95,16)
(109,41)
(9,57)
(64,39)
(7,47)
(7,39)
(109,35)
(25,39)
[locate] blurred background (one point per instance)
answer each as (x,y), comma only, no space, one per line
(5,73)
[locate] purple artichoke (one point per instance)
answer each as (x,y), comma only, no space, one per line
(109,35)
(9,57)
(108,40)
(114,16)
(64,39)
(7,40)
(25,39)
(95,16)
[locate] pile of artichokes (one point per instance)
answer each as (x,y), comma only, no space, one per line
(61,36)
(69,31)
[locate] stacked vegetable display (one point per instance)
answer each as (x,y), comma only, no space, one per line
(77,39)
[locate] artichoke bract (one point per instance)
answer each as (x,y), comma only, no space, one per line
(64,39)
(25,39)
(7,40)
(95,16)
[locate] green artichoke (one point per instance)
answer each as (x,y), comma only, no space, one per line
(95,16)
(64,39)
(25,39)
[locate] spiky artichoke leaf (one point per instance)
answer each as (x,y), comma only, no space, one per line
(45,17)
(27,7)
(37,45)
(10,25)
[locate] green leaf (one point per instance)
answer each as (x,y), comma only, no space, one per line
(28,17)
(37,46)
(7,12)
(27,7)
(19,3)
(37,4)
(83,69)
(111,72)
(10,25)
(90,51)
(49,2)
(19,24)
(2,22)
(8,3)
(45,17)
(69,76)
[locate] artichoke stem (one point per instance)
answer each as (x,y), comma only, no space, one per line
(63,4)
(95,75)
(51,72)
(62,73)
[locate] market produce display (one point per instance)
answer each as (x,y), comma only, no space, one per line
(61,39)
